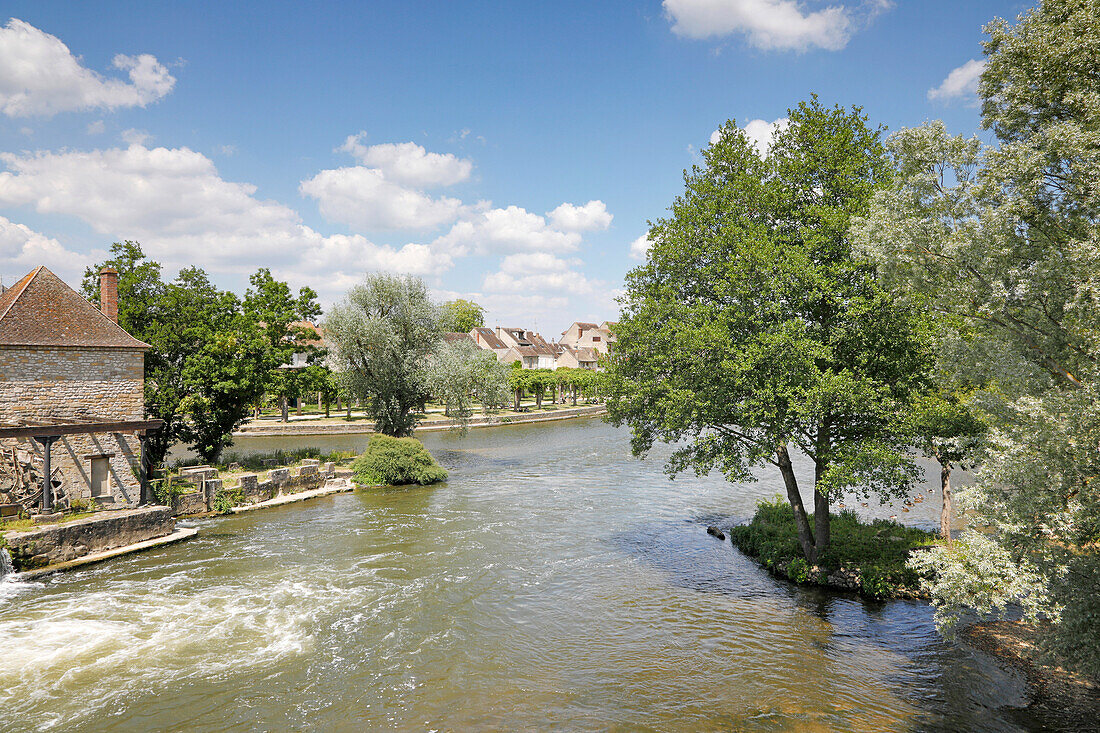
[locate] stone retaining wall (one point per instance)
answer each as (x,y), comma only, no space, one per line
(70,540)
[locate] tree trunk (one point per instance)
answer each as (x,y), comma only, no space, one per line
(945,512)
(298,406)
(327,406)
(821,512)
(515,403)
(319,401)
(349,409)
(805,537)
(284,409)
(538,400)
(339,403)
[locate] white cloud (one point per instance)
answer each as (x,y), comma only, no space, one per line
(511,229)
(22,249)
(174,202)
(40,76)
(961,82)
(408,163)
(96,128)
(569,217)
(769,24)
(364,199)
(135,137)
(760,133)
(639,248)
(559,280)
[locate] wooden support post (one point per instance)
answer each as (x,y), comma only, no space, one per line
(47,479)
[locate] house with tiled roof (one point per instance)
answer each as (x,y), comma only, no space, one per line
(71,378)
(486,338)
(600,338)
(577,357)
(456,336)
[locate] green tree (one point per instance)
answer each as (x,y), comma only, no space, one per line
(1006,238)
(380,334)
(949,429)
(139,286)
(458,372)
(518,380)
(753,330)
(538,381)
(283,319)
(461,316)
(207,363)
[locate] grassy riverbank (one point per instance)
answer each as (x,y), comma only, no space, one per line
(865,557)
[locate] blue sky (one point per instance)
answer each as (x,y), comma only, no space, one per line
(507,152)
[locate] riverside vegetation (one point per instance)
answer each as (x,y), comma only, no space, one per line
(851,296)
(870,558)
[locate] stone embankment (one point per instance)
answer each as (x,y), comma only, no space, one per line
(317,427)
(61,543)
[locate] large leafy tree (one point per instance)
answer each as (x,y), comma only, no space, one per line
(283,317)
(1006,238)
(208,362)
(754,331)
(380,333)
(461,315)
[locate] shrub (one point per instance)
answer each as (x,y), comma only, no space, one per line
(396,461)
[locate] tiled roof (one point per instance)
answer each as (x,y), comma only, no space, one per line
(41,310)
(489,339)
(452,336)
(540,345)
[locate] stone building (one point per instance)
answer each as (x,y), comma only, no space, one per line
(73,379)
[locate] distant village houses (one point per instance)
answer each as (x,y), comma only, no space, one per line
(581,346)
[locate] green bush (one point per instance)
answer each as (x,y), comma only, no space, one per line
(878,549)
(396,461)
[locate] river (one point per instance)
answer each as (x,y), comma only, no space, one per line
(554,581)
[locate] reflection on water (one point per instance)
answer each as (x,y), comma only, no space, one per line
(554,580)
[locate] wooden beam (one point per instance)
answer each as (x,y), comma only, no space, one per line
(56,430)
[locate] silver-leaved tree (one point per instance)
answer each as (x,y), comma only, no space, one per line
(1005,240)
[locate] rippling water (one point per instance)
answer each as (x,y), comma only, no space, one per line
(553,582)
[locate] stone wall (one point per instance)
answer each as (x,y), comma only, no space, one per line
(39,383)
(69,540)
(49,381)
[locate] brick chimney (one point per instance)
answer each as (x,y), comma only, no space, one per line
(108,292)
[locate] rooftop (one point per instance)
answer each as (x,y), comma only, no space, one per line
(41,310)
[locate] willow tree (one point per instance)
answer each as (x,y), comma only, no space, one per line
(1006,238)
(753,331)
(380,334)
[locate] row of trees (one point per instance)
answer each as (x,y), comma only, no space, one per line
(557,382)
(215,357)
(852,297)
